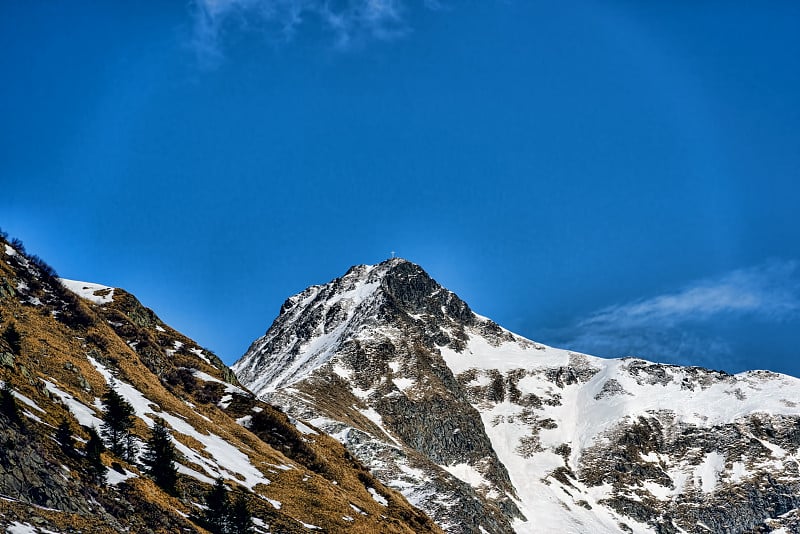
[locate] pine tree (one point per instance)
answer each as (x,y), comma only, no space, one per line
(159,458)
(221,516)
(217,509)
(117,422)
(13,338)
(239,518)
(131,449)
(94,464)
(8,405)
(65,438)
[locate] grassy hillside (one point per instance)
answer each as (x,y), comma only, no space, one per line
(59,353)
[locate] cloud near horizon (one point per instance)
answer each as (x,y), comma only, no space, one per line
(679,326)
(348,21)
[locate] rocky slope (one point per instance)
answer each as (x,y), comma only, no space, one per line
(75,341)
(490,432)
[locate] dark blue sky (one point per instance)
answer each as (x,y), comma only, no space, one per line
(614,177)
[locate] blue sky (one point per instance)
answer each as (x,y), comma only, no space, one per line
(613,177)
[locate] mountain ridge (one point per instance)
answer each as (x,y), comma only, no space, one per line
(386,383)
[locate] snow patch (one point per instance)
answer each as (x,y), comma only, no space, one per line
(706,475)
(739,471)
(225,401)
(114,477)
(403,383)
(199,354)
(26,528)
(20,528)
(99,294)
(26,400)
(261,526)
(657,490)
(245,421)
(303,428)
(188,471)
(377,497)
(775,450)
(29,415)
(85,415)
(376,418)
(467,473)
(229,388)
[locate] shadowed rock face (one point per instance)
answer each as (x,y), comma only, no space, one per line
(411,290)
(26,475)
(486,430)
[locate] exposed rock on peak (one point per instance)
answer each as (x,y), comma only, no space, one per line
(315,323)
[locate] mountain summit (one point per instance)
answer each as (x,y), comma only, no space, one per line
(313,325)
(490,432)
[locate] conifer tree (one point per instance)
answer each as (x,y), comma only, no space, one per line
(117,422)
(65,438)
(131,448)
(94,464)
(159,458)
(8,405)
(239,519)
(13,338)
(217,509)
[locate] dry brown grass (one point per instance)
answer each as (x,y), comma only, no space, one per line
(57,352)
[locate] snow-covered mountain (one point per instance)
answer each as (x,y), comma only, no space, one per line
(490,432)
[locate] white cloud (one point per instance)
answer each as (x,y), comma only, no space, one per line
(677,325)
(348,21)
(770,290)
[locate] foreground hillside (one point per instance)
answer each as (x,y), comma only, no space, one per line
(65,345)
(490,432)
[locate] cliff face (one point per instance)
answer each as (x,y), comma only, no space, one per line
(74,341)
(488,431)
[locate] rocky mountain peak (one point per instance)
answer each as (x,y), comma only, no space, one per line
(404,284)
(315,323)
